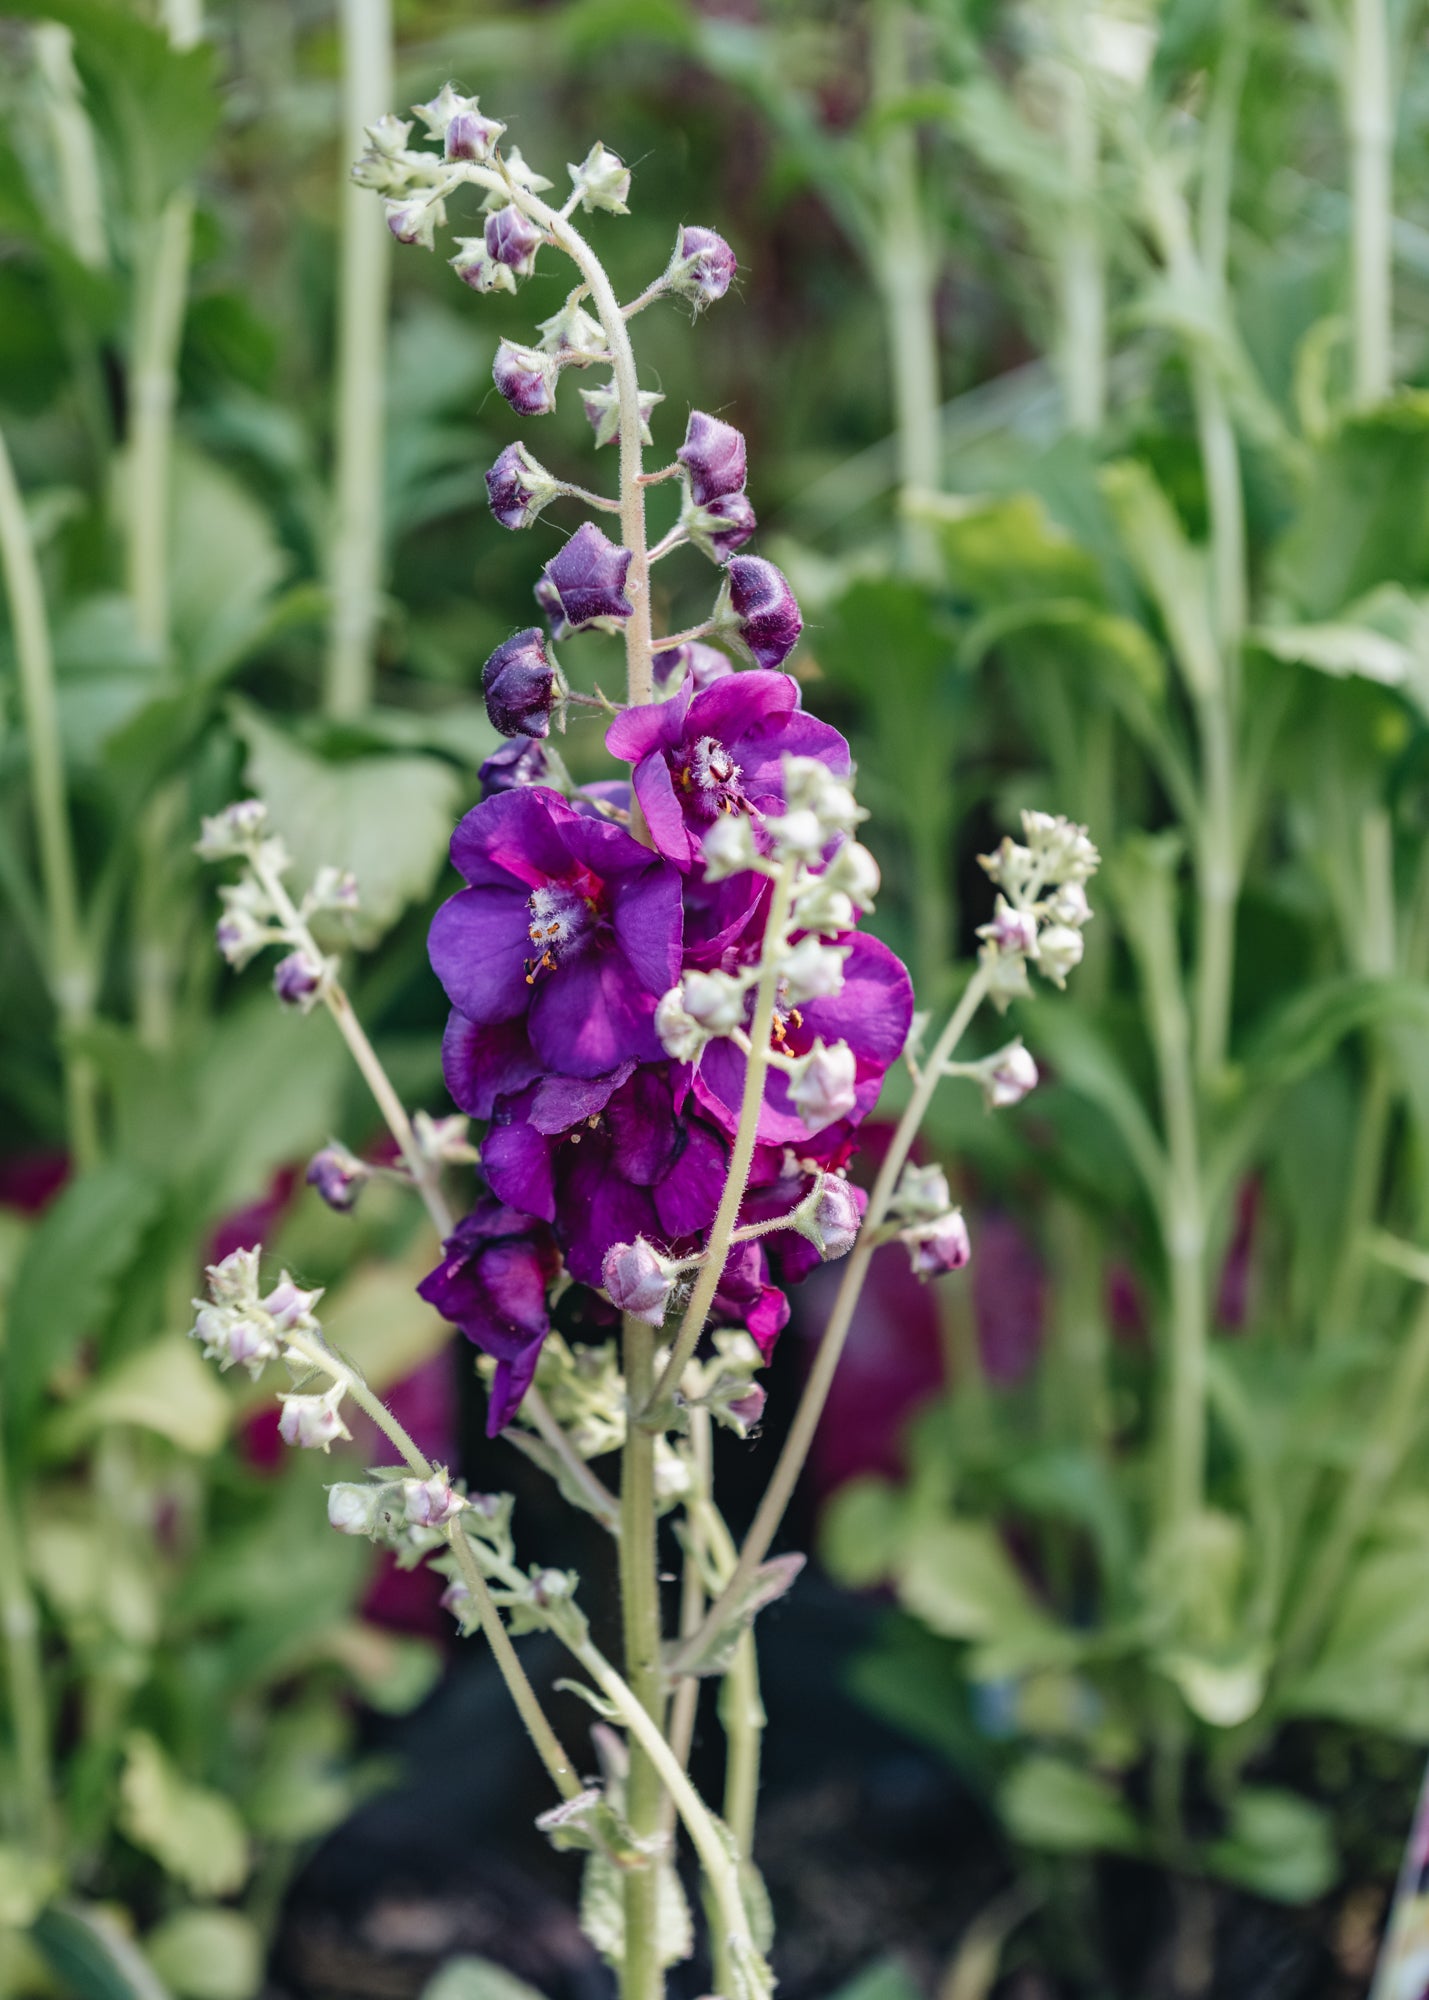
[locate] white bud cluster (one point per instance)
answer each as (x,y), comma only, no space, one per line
(934,1232)
(237,1327)
(257,912)
(1038,917)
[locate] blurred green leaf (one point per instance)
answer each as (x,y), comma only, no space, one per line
(885,1979)
(1172,572)
(861,1531)
(1005,549)
(1278,1845)
(208,1954)
(91,1957)
(193,1833)
(1363,518)
(167,1388)
(1050,1803)
(476,1979)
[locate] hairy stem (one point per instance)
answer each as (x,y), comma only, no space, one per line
(70,974)
(355,558)
(640,1606)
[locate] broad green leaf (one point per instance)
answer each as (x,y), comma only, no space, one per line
(393,1671)
(1082,637)
(603,1912)
(861,1532)
(208,1954)
(67,1280)
(1223,1692)
(1363,517)
(92,1957)
(476,1979)
(193,1833)
(101,1589)
(1006,548)
(226,563)
(959,1579)
(1050,1803)
(874,622)
(1305,1033)
(389,819)
(27,1881)
(167,1388)
(1278,1845)
(1339,649)
(1172,572)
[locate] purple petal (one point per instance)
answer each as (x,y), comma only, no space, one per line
(516,833)
(802,735)
(479,946)
(516,1159)
(598,1210)
(560,1102)
(593,1017)
(739,704)
(508,1386)
(688,1196)
(638,732)
(664,815)
(646,916)
(482,1064)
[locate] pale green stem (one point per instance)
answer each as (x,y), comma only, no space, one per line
(816,1390)
(1080,264)
(1218,881)
(355,559)
(25,1677)
(162,290)
(71,976)
(904,266)
(75,158)
(548,1747)
(742,1713)
(685,1704)
(756,1071)
(640,1971)
(1370,118)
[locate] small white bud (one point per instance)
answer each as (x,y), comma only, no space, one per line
(938,1246)
(1008,1077)
(729,847)
(312,1421)
(813,971)
(681,1035)
(715,1000)
(823,1087)
(1058,950)
(430,1503)
(288,1306)
(1069,906)
(922,1192)
(1011,931)
(236,830)
(354,1510)
(602,180)
(798,835)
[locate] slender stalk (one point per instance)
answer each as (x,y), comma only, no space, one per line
(685,1705)
(25,1679)
(816,1390)
(75,159)
(71,977)
(548,1747)
(742,1713)
(1218,881)
(355,559)
(640,1607)
(1370,119)
(1080,264)
(756,1071)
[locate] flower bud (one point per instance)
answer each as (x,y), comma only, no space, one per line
(456,1598)
(937,1246)
(729,847)
(1058,950)
(854,871)
(288,1306)
(588,579)
(721,528)
(680,1034)
(522,761)
(813,971)
(512,238)
(637,1280)
(430,1503)
(1069,906)
(235,1280)
(236,830)
(470,136)
(575,337)
(518,486)
(415,219)
(301,979)
(747,1409)
(333,889)
(714,999)
(478,269)
(1013,932)
(1007,975)
(239,935)
(521,686)
(249,1345)
(1060,846)
(354,1510)
(525,378)
(922,1192)
(602,180)
(338,1176)
(797,835)
(702,267)
(602,407)
(820,906)
(757,607)
(823,1087)
(382,166)
(704,665)
(837,1215)
(1008,1077)
(312,1421)
(713,456)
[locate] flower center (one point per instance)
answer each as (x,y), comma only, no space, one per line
(561,919)
(711,778)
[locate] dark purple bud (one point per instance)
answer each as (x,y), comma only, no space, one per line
(762,610)
(704,664)
(525,378)
(518,763)
(338,1177)
(702,268)
(714,458)
(722,527)
(298,980)
(588,578)
(518,487)
(511,237)
(638,1280)
(521,686)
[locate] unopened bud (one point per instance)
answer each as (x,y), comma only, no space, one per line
(922,1193)
(602,180)
(1008,1077)
(1012,931)
(521,686)
(478,270)
(720,528)
(758,609)
(236,830)
(713,456)
(588,579)
(354,1510)
(415,219)
(702,267)
(823,1087)
(574,336)
(715,1000)
(338,1176)
(1058,950)
(704,665)
(312,1421)
(513,239)
(525,378)
(680,1034)
(602,408)
(937,1246)
(638,1280)
(729,847)
(836,1217)
(300,980)
(430,1503)
(288,1306)
(813,971)
(1069,906)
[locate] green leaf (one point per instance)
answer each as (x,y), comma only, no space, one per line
(959,1579)
(1224,1692)
(1078,636)
(1172,572)
(389,819)
(68,1279)
(603,1912)
(1278,1845)
(226,562)
(1363,518)
(208,1954)
(27,1881)
(1006,548)
(167,1388)
(476,1979)
(193,1833)
(1305,1033)
(861,1532)
(1050,1803)
(91,1957)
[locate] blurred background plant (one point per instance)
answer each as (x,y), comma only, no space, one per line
(1079,367)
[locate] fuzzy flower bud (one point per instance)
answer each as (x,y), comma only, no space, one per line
(1012,932)
(354,1510)
(575,337)
(813,971)
(1008,1077)
(744,1411)
(522,761)
(333,889)
(729,847)
(518,486)
(1069,906)
(521,686)
(937,1246)
(713,456)
(922,1193)
(833,1225)
(289,1306)
(602,180)
(822,1088)
(702,267)
(758,610)
(457,121)
(855,871)
(602,408)
(235,1280)
(720,528)
(704,665)
(715,1000)
(338,1176)
(512,238)
(588,579)
(236,830)
(1060,846)
(430,1503)
(1058,950)
(238,933)
(638,1280)
(415,219)
(525,378)
(301,979)
(478,269)
(680,1034)
(312,1421)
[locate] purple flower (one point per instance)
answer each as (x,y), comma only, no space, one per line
(338,1177)
(511,237)
(702,268)
(526,378)
(496,1267)
(518,486)
(722,527)
(521,686)
(587,579)
(698,755)
(713,457)
(761,609)
(567,921)
(516,764)
(872,1012)
(638,1280)
(298,980)
(702,663)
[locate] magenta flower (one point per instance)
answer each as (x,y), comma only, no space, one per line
(586,580)
(496,1268)
(713,457)
(872,1012)
(699,755)
(762,610)
(567,922)
(702,663)
(521,686)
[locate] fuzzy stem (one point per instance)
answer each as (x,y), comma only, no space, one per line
(355,559)
(1370,118)
(742,1713)
(71,977)
(548,1747)
(816,1390)
(640,1606)
(685,1705)
(29,1721)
